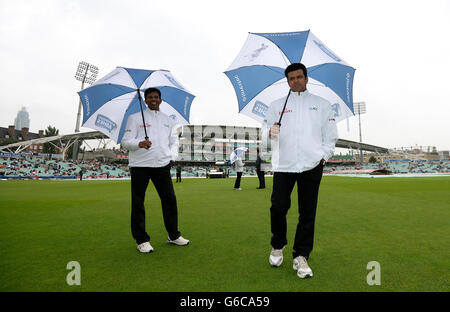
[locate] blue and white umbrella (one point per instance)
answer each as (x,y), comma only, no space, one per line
(257,73)
(237,153)
(109,102)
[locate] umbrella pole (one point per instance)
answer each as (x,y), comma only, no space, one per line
(284,107)
(142,113)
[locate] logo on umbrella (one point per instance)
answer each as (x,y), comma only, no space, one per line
(257,52)
(105,122)
(327,51)
(336,109)
(347,84)
(174,82)
(186,103)
(260,109)
(88,105)
(241,88)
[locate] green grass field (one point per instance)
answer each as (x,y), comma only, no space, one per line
(402,223)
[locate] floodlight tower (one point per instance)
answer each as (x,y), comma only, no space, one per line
(86,73)
(360,108)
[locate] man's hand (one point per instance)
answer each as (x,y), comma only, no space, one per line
(145,144)
(274,131)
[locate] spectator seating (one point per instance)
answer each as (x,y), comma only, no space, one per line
(32,167)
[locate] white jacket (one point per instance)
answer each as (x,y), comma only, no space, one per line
(308,132)
(239,165)
(161,132)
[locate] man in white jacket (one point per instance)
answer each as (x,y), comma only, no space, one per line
(239,167)
(151,159)
(301,145)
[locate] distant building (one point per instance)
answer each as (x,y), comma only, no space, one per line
(208,143)
(22,120)
(411,153)
(11,134)
(444,155)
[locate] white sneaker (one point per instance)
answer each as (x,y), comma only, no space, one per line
(238,189)
(180,241)
(276,257)
(145,247)
(302,267)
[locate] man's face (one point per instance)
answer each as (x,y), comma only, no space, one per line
(297,80)
(153,100)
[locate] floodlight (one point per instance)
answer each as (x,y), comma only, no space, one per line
(86,73)
(360,108)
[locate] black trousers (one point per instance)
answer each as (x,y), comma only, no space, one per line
(237,183)
(308,190)
(162,181)
(178,177)
(262,181)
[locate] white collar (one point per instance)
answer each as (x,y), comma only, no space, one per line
(304,93)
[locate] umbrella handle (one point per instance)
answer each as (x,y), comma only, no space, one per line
(284,107)
(142,113)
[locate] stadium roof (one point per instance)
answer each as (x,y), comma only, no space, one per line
(365,147)
(69,139)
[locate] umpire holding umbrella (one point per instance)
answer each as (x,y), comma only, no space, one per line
(303,133)
(151,159)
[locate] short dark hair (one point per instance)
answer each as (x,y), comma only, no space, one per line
(150,90)
(294,67)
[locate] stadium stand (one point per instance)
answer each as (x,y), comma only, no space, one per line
(396,167)
(30,167)
(37,167)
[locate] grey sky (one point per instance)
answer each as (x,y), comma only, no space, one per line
(400,50)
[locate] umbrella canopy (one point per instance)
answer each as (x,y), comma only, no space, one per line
(237,153)
(109,102)
(257,73)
